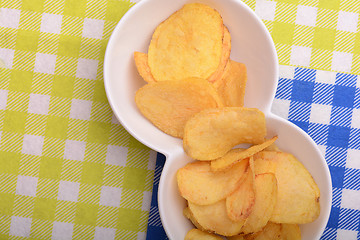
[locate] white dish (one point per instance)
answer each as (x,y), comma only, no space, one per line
(252,45)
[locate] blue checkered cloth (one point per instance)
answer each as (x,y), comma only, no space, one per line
(326,105)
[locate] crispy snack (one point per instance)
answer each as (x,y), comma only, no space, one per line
(196,234)
(187,44)
(298,194)
(231,86)
(211,133)
(265,200)
(272,231)
(198,184)
(240,203)
(188,214)
(238,154)
(290,232)
(215,219)
(141,62)
(169,104)
(225,55)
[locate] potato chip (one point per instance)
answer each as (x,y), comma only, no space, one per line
(188,214)
(231,86)
(272,231)
(198,184)
(187,44)
(236,237)
(265,200)
(196,234)
(169,104)
(215,219)
(238,154)
(141,62)
(211,133)
(224,60)
(298,195)
(290,232)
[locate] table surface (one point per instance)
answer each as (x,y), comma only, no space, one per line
(69,170)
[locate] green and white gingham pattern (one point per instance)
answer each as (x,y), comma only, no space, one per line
(68,170)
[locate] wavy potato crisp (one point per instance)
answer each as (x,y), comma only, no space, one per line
(214,218)
(198,184)
(231,86)
(298,194)
(187,44)
(196,234)
(141,62)
(211,133)
(169,104)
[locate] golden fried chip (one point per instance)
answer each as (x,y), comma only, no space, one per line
(224,57)
(169,104)
(240,203)
(211,133)
(265,200)
(231,86)
(187,213)
(198,184)
(298,194)
(187,44)
(290,232)
(141,62)
(196,234)
(272,231)
(238,154)
(215,219)
(236,237)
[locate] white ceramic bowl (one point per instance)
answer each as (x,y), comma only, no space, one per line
(252,45)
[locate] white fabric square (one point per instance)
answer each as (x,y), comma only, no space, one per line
(114,120)
(116,155)
(110,196)
(51,23)
(102,233)
(45,63)
(68,191)
(281,108)
(39,103)
(87,68)
(33,145)
(9,17)
(20,226)
(347,21)
(353,159)
(358,81)
(74,150)
(152,160)
(141,236)
(80,109)
(146,201)
(341,62)
(325,77)
(286,71)
(26,186)
(306,16)
(265,9)
(3,98)
(355,118)
(7,56)
(93,28)
(350,199)
(320,113)
(300,56)
(62,231)
(343,234)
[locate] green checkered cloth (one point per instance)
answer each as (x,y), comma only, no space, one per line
(68,169)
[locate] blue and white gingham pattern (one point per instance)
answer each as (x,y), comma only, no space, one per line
(326,105)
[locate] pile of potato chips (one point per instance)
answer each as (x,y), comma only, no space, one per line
(195,92)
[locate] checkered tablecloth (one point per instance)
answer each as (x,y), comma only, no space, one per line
(68,170)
